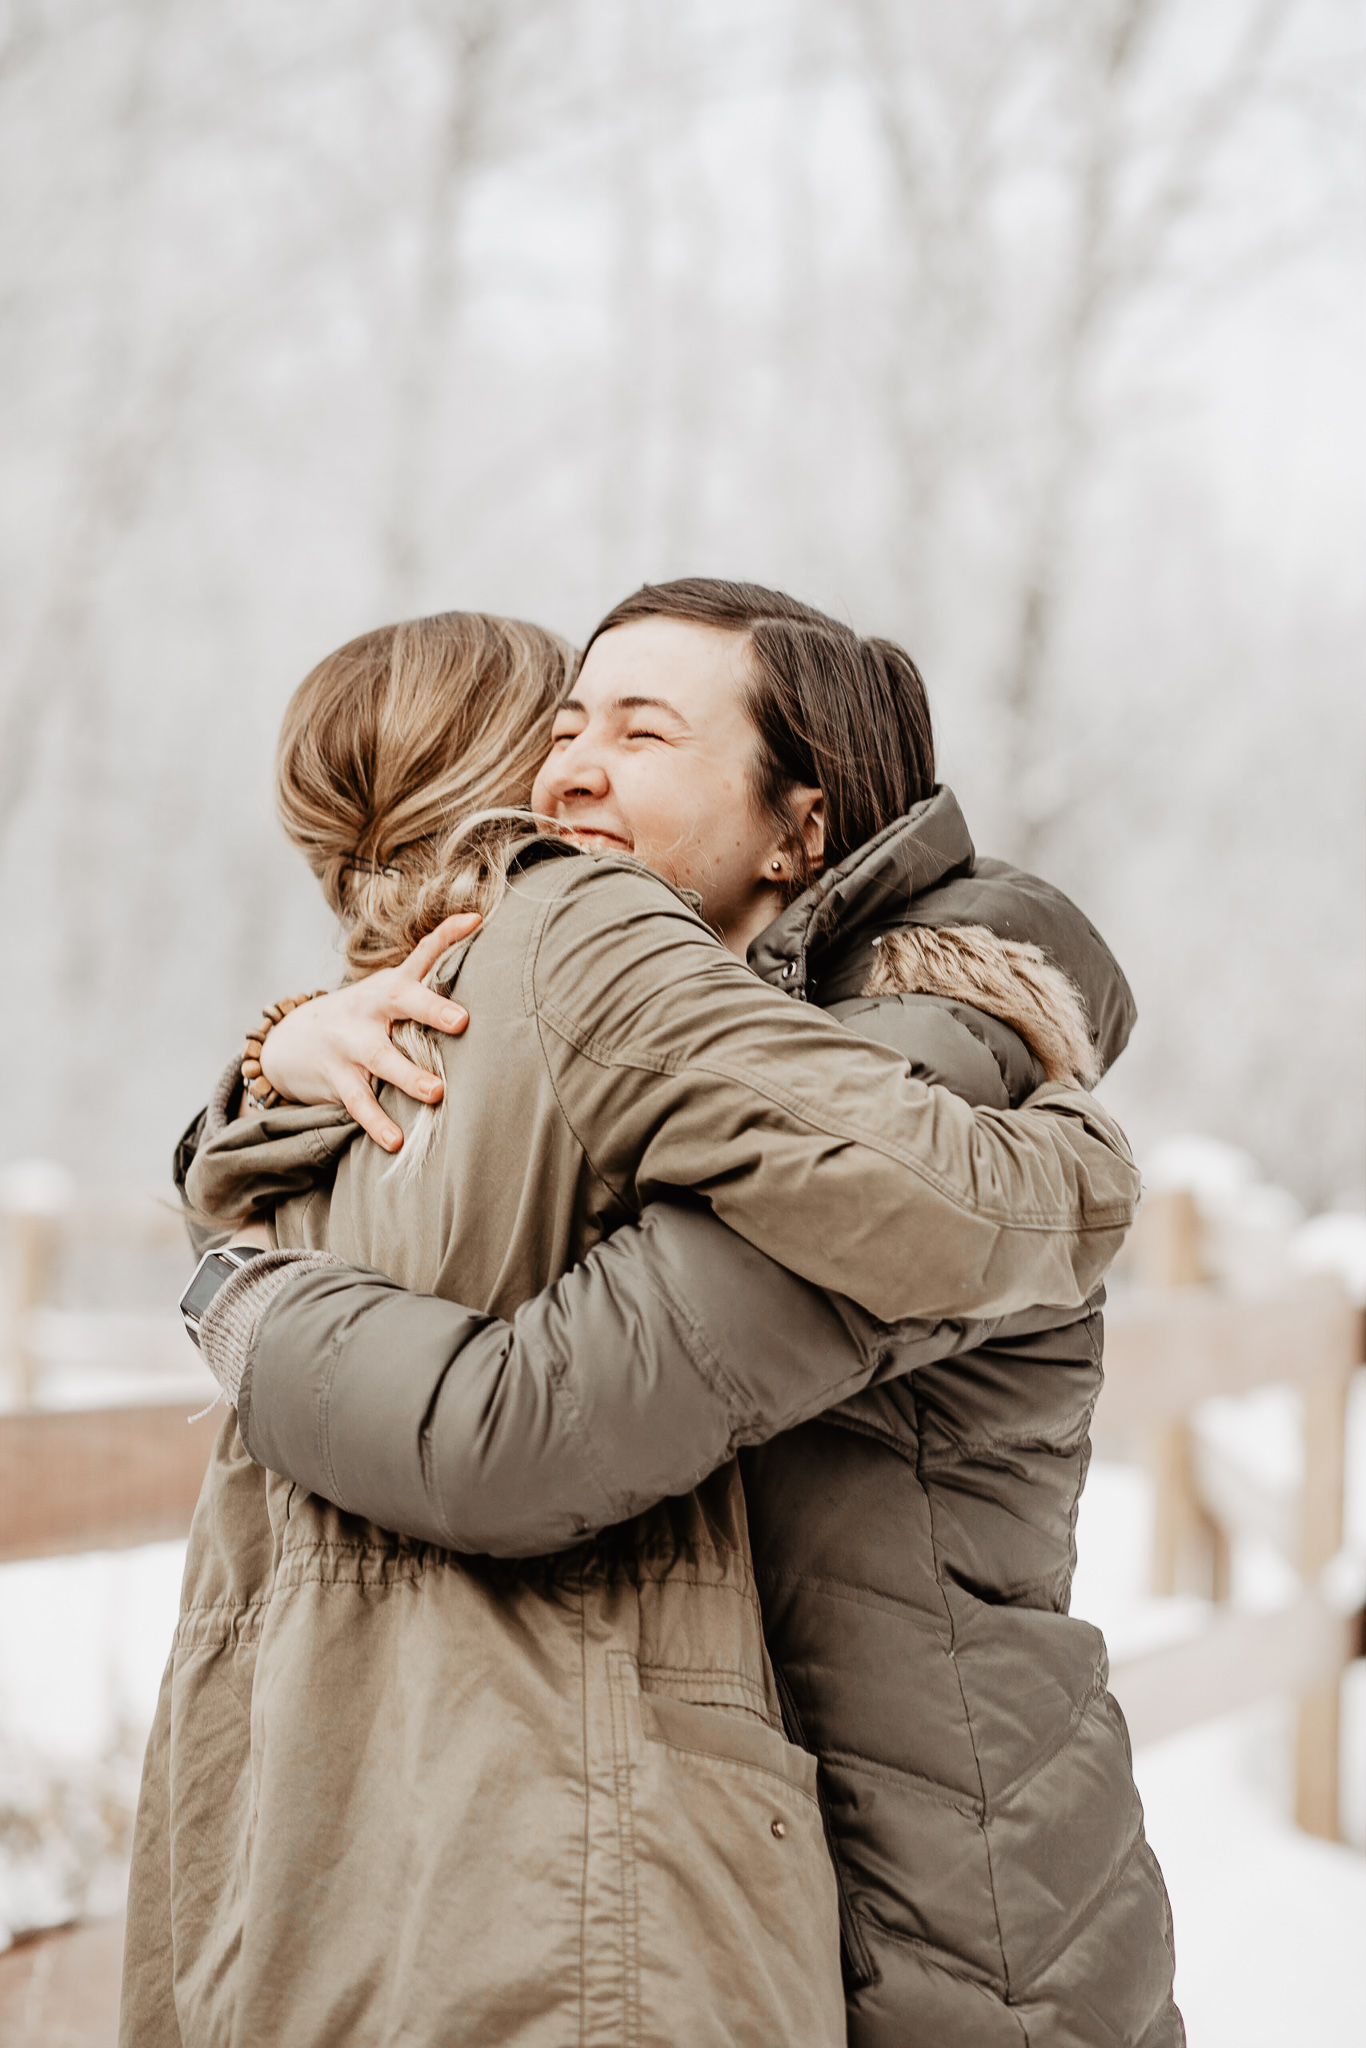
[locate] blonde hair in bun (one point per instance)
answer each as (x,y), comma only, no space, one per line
(405,766)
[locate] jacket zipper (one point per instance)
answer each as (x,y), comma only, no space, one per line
(859,1968)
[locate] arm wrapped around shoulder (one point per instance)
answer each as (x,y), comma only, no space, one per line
(675,1068)
(631,1378)
(230,1322)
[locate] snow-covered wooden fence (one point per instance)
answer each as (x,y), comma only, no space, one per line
(106,1476)
(96,1449)
(1173,1341)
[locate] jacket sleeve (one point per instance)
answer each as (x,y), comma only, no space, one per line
(949,1045)
(635,1375)
(677,1069)
(214,1118)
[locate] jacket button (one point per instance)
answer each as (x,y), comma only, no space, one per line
(780,1828)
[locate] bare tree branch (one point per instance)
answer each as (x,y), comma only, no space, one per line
(108,460)
(1206,130)
(1112,268)
(467,36)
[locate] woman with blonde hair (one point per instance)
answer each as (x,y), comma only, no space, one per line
(396,1793)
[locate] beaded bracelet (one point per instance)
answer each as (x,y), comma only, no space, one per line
(258,1090)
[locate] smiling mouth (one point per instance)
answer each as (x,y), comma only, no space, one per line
(594,837)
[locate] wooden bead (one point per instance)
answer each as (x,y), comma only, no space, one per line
(257,1086)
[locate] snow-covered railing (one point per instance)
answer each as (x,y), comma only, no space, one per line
(96,1450)
(1173,1340)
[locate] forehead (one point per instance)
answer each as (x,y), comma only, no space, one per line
(698,668)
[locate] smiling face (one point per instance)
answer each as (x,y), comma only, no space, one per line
(654,754)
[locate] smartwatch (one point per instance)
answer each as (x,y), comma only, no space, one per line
(209,1275)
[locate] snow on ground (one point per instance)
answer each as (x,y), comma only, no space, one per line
(1268,1921)
(82,1644)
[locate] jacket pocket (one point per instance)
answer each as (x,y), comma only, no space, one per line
(736,1738)
(734,1923)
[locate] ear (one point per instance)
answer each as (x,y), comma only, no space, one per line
(808,808)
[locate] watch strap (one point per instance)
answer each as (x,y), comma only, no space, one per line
(214,1270)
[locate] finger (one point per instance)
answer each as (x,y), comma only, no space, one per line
(414,999)
(389,1063)
(448,933)
(358,1102)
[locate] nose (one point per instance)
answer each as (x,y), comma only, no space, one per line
(575,770)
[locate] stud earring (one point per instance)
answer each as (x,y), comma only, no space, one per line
(776,866)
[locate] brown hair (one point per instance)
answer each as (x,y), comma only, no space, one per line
(833,711)
(404,760)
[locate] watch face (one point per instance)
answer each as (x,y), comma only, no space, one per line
(206,1283)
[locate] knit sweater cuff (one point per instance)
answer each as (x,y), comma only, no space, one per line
(230,1322)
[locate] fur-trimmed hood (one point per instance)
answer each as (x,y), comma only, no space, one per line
(916,912)
(1007,979)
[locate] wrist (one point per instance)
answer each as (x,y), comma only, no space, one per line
(263,1092)
(210,1276)
(230,1322)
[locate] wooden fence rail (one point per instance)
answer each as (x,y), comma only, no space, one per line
(99,1478)
(1238,1660)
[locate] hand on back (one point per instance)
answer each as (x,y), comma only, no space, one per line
(331,1049)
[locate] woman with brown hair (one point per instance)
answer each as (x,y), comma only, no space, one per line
(554,1803)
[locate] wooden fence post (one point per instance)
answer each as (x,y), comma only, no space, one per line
(1169,1240)
(1318,1731)
(1190,1551)
(33,1196)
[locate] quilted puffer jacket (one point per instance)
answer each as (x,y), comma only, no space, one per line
(915,1546)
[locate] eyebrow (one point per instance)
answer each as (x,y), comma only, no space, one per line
(629,704)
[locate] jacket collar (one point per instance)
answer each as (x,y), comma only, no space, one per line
(872,887)
(922,870)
